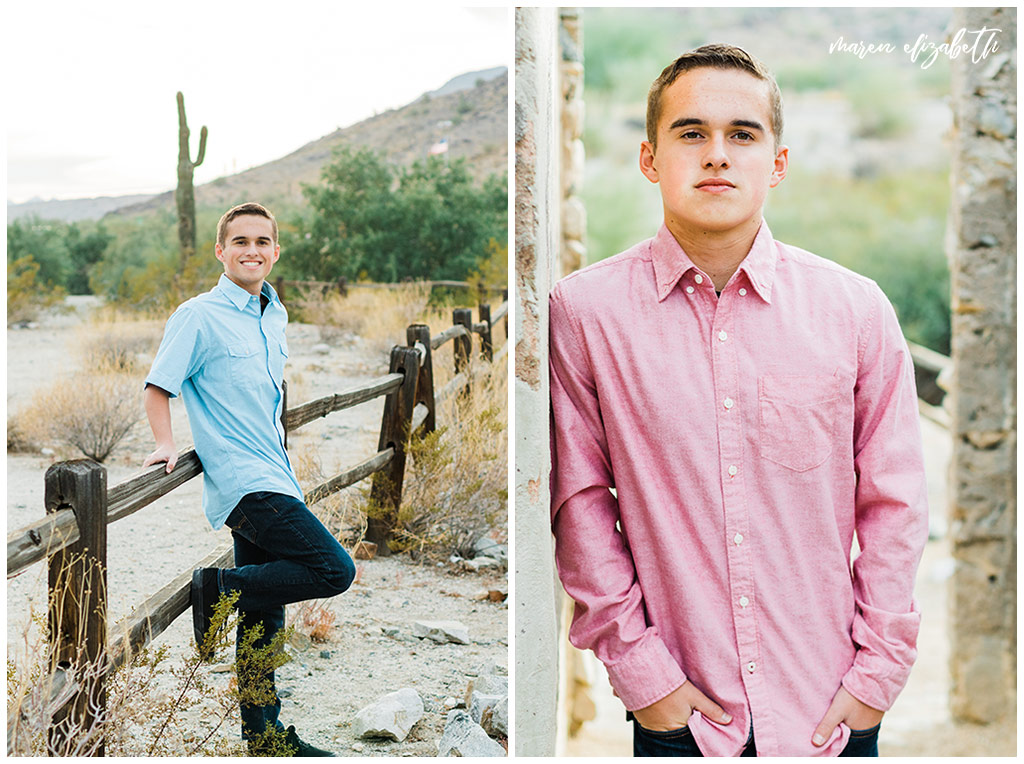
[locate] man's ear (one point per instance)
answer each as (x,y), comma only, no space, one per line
(219,252)
(647,165)
(781,166)
(277,252)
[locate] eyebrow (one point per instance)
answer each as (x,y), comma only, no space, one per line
(687,121)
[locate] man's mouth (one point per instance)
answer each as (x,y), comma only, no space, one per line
(252,263)
(715,183)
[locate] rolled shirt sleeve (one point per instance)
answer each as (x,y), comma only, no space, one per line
(594,562)
(891,512)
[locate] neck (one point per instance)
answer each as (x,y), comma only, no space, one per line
(717,253)
(253,289)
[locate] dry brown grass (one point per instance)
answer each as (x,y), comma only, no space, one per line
(110,341)
(90,413)
(377,314)
(456,483)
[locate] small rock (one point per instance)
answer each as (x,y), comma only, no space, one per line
(450,703)
(390,717)
(365,550)
(494,720)
(389,631)
(221,668)
(322,349)
(485,547)
(441,631)
(300,641)
(479,703)
(478,563)
(357,747)
(464,737)
(284,693)
(325,654)
(487,684)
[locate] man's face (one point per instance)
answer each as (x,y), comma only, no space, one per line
(249,251)
(715,158)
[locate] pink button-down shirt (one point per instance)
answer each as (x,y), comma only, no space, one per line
(747,437)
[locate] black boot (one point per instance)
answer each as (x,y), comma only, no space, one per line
(204,595)
(301,747)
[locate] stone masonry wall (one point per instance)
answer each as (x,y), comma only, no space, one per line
(982,248)
(574,215)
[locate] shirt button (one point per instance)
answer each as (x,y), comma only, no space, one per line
(751,667)
(699,279)
(723,336)
(727,403)
(738,538)
(689,290)
(742,292)
(733,469)
(744,602)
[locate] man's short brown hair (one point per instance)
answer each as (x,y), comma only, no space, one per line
(249,208)
(714,56)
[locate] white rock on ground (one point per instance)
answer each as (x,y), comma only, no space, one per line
(479,703)
(495,719)
(390,717)
(464,737)
(441,631)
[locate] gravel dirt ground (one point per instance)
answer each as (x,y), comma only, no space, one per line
(149,548)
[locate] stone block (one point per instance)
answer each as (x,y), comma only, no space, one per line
(390,717)
(464,737)
(441,631)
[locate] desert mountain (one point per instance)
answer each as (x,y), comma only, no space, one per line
(469,113)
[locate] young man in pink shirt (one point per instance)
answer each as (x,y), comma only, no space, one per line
(728,411)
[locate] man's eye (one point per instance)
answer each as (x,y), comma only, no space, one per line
(743,135)
(691,135)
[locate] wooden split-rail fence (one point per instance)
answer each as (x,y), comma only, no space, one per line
(72,537)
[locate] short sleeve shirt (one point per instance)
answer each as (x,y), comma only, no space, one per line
(226,359)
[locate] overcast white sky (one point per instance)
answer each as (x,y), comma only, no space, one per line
(90,98)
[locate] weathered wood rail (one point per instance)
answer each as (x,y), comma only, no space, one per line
(79,507)
(282,286)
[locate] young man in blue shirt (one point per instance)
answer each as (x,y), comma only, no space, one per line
(224,351)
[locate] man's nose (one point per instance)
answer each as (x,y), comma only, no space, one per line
(715,153)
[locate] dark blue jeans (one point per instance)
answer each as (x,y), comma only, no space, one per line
(681,743)
(283,554)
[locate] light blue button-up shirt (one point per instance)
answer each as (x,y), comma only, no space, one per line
(226,359)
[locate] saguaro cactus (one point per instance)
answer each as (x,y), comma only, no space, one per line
(185,195)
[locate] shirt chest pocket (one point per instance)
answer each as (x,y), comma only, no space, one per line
(247,365)
(798,419)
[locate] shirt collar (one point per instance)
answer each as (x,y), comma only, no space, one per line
(240,297)
(671,263)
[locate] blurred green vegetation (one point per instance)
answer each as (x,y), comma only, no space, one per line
(368,220)
(887,223)
(889,228)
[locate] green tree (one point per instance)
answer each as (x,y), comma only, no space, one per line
(84,251)
(44,241)
(428,221)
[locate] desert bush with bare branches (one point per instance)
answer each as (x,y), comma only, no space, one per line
(91,413)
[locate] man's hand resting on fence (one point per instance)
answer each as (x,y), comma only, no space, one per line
(673,711)
(164,453)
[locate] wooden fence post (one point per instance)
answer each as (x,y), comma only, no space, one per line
(504,298)
(279,288)
(486,345)
(78,599)
(386,492)
(425,382)
(463,346)
(343,286)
